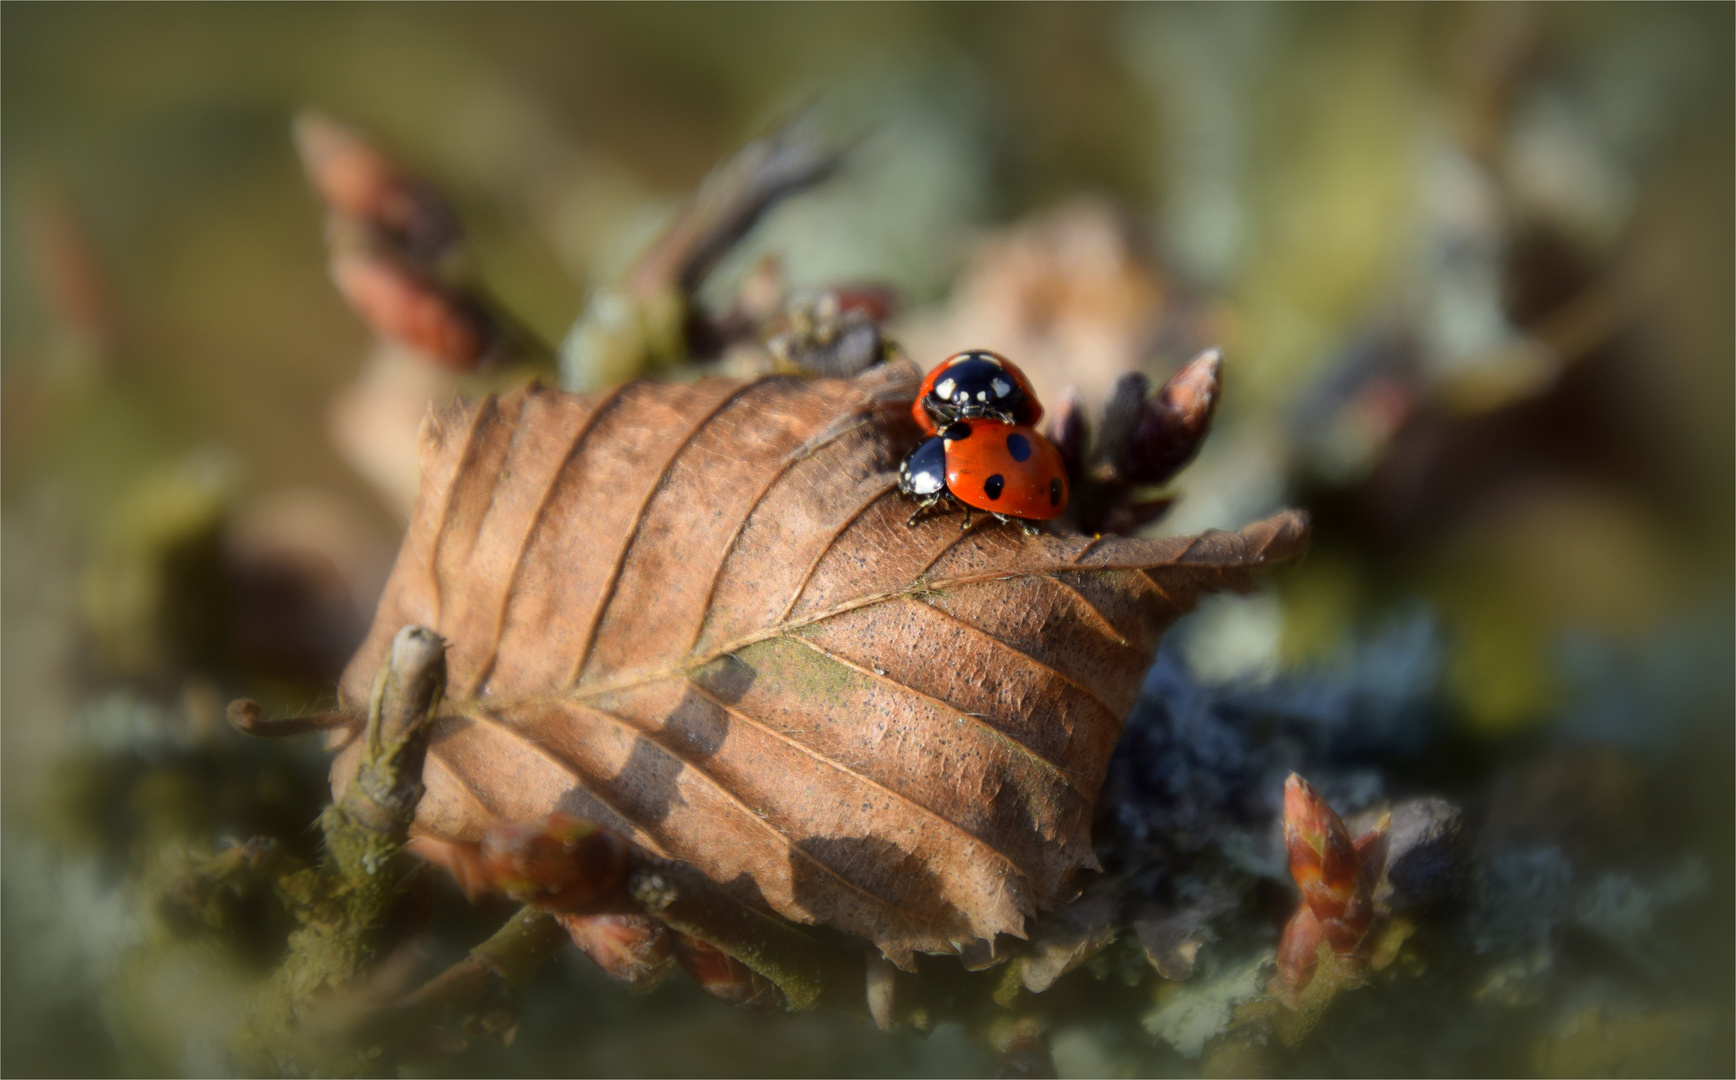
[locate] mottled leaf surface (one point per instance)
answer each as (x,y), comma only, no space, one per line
(693,613)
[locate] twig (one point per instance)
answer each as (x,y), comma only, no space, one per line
(641,323)
(807,971)
(483,985)
(730,201)
(244,716)
(347,905)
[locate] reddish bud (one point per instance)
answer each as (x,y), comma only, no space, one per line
(561,863)
(358,181)
(402,305)
(631,948)
(725,977)
(1371,851)
(1337,879)
(1299,949)
(1174,421)
(1111,457)
(1326,866)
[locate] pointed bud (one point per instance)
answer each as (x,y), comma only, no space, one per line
(358,181)
(1371,851)
(1325,866)
(1145,439)
(631,948)
(1111,459)
(560,863)
(1174,421)
(403,305)
(1298,952)
(723,976)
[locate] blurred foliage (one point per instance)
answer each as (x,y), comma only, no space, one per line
(1471,267)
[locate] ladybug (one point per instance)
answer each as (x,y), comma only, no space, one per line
(1010,470)
(975,383)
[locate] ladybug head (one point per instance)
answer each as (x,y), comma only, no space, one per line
(975,383)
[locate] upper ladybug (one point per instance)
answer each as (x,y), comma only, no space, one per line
(975,383)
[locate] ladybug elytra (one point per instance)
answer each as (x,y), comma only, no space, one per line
(1009,470)
(975,383)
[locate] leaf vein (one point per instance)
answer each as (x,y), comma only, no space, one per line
(729,796)
(1042,762)
(605,402)
(480,715)
(1059,674)
(1095,612)
(628,680)
(831,542)
(608,594)
(466,457)
(801,453)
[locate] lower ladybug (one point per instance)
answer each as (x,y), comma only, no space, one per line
(1007,469)
(975,383)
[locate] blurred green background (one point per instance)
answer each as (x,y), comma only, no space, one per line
(1472,267)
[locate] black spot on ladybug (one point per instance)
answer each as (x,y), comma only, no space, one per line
(993,485)
(1055,491)
(955,432)
(1019,447)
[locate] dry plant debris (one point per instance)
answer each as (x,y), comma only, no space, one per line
(693,614)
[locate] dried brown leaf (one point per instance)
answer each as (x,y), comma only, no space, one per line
(693,614)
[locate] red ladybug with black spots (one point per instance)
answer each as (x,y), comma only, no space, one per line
(975,383)
(1009,470)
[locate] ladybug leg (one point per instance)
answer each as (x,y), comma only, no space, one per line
(1030,527)
(1027,526)
(965,524)
(927,507)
